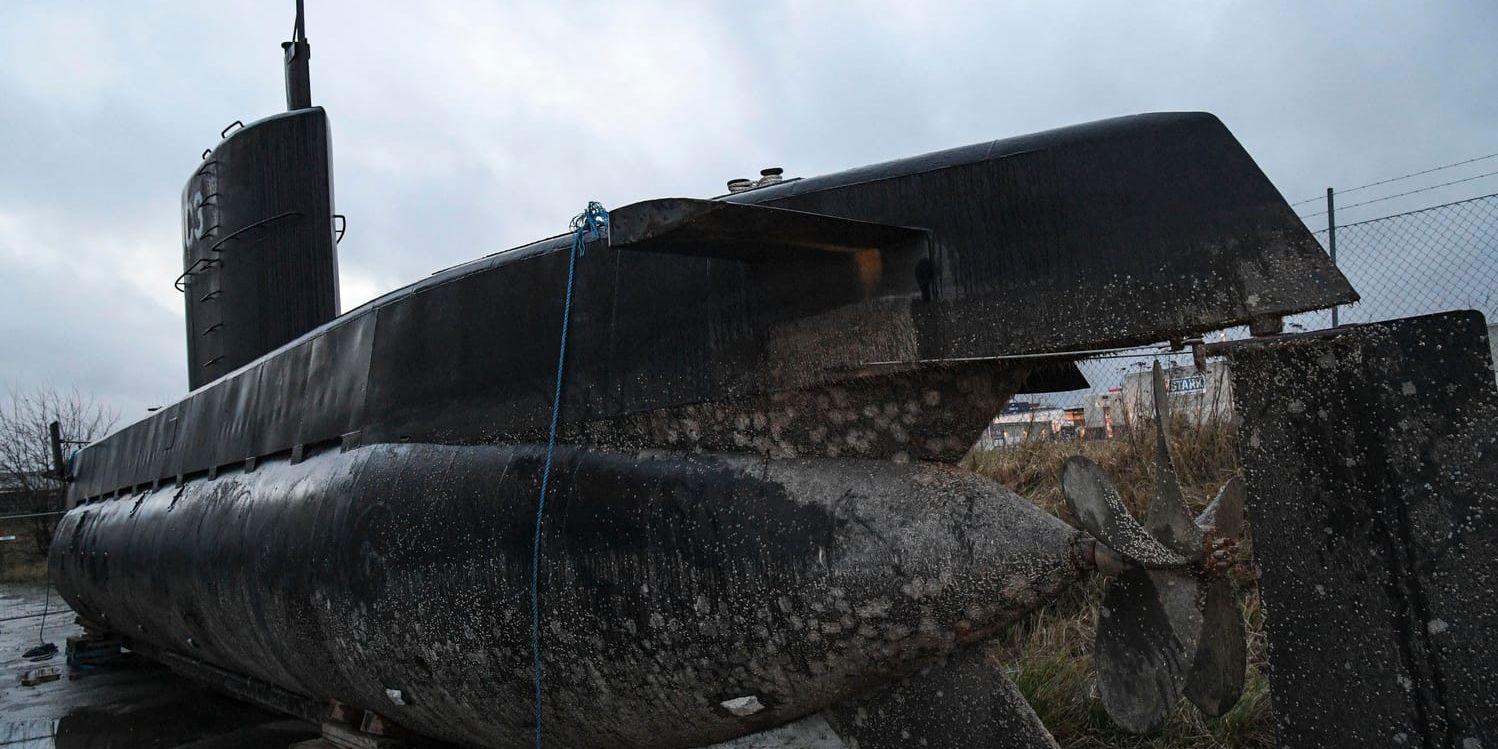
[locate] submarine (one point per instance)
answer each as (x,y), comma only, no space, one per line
(753,514)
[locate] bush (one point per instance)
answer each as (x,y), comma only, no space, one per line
(20,561)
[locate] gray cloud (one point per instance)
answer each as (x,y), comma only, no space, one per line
(461,127)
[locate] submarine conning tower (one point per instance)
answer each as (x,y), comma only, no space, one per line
(260,264)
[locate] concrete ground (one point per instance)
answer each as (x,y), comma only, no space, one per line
(136,703)
(132,703)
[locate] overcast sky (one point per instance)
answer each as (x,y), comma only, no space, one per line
(461,128)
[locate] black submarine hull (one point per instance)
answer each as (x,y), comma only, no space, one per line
(1120,232)
(670,583)
(764,397)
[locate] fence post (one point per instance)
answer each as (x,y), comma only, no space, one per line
(1331,236)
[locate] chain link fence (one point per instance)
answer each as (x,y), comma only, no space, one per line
(1435,259)
(1431,260)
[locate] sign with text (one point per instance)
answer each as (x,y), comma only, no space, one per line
(1191,384)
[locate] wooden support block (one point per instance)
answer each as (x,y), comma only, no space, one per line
(351,738)
(35,676)
(379,725)
(341,713)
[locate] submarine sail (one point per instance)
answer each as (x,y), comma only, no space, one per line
(260,262)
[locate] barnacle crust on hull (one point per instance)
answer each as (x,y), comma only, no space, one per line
(672,583)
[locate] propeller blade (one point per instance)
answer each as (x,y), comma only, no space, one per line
(1142,661)
(1169,519)
(1224,515)
(1215,681)
(1097,506)
(1163,632)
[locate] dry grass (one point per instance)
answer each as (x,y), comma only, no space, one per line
(1050,654)
(1205,456)
(20,562)
(23,569)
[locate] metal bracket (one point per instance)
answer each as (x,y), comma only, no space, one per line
(255,225)
(181,283)
(1267,325)
(199,265)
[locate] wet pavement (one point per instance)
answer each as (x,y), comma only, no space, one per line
(130,703)
(136,703)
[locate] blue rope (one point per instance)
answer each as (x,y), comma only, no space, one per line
(591,224)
